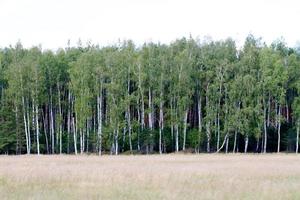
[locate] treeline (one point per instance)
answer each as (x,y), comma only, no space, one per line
(188,96)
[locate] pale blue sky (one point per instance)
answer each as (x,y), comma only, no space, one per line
(52,22)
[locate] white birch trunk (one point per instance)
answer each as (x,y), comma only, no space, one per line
(278,129)
(199,121)
(297,139)
(74,135)
(37,128)
(99,117)
(60,119)
(234,142)
(161,122)
(176,137)
(25,126)
(184,128)
(265,131)
(246,143)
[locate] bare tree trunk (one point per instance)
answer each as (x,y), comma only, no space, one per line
(246,143)
(129,128)
(37,128)
(81,141)
(226,147)
(218,129)
(278,129)
(208,136)
(269,110)
(124,139)
(225,138)
(234,143)
(52,124)
(218,115)
(150,117)
(60,119)
(116,141)
(265,128)
(45,118)
(25,126)
(161,122)
(69,121)
(74,135)
(184,128)
(199,121)
(28,127)
(172,122)
(99,117)
(139,128)
(17,129)
(176,137)
(297,140)
(87,134)
(128,112)
(208,122)
(142,99)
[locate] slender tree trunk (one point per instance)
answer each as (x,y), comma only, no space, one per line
(81,140)
(74,135)
(276,114)
(246,143)
(142,99)
(25,126)
(150,117)
(176,137)
(218,127)
(69,121)
(208,122)
(172,123)
(297,139)
(17,128)
(139,127)
(269,110)
(234,142)
(257,145)
(28,127)
(226,147)
(116,141)
(224,141)
(129,129)
(45,118)
(37,128)
(87,134)
(124,139)
(128,111)
(184,128)
(278,129)
(161,122)
(52,124)
(199,121)
(265,129)
(99,117)
(60,119)
(218,115)
(208,136)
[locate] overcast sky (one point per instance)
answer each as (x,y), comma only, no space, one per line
(52,22)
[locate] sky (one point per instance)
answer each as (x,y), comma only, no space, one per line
(51,23)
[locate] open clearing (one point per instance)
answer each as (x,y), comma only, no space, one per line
(151,177)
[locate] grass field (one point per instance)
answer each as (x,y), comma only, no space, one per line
(150,177)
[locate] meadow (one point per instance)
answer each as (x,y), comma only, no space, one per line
(173,176)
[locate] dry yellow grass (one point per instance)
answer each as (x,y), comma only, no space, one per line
(150,177)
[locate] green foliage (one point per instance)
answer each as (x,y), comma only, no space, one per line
(239,91)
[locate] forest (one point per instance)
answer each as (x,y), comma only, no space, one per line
(188,96)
